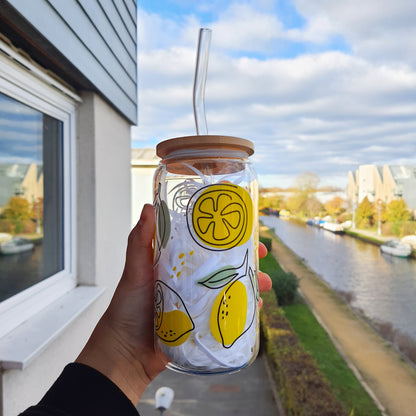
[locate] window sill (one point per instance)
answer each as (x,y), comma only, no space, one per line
(20,346)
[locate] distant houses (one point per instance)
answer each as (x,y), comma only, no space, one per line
(24,180)
(385,183)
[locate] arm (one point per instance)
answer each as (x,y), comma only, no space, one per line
(121,347)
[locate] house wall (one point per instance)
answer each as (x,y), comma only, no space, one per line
(93,44)
(103,206)
(366,186)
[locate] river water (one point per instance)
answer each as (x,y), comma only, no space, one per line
(384,286)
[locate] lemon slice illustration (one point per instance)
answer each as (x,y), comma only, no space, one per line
(220,217)
(229,313)
(172,327)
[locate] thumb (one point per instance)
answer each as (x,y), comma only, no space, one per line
(139,257)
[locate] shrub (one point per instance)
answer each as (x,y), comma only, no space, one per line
(286,288)
(387,228)
(6,226)
(406,345)
(302,387)
(408,228)
(284,284)
(28,227)
(267,242)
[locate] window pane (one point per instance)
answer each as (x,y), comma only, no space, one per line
(31,196)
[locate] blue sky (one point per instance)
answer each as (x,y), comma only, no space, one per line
(317,85)
(20,132)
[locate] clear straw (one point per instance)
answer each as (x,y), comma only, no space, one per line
(200,80)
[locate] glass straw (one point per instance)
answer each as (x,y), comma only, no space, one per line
(200,80)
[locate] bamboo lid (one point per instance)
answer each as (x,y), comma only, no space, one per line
(166,147)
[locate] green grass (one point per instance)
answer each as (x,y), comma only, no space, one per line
(317,342)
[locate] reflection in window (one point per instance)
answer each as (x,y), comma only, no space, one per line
(31,196)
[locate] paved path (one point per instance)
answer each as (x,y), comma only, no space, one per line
(245,393)
(392,381)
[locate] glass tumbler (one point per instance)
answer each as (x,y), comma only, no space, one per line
(206,254)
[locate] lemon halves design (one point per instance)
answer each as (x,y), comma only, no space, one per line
(172,327)
(220,216)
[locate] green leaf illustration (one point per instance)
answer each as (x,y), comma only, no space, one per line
(219,278)
(163,218)
(166,216)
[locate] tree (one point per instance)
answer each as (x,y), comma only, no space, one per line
(307,182)
(335,206)
(397,211)
(313,207)
(303,201)
(17,210)
(37,213)
(364,216)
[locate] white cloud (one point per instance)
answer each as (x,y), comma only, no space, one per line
(324,111)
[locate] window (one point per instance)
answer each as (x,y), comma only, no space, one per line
(37,254)
(31,243)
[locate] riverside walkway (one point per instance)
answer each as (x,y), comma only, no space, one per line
(245,393)
(381,370)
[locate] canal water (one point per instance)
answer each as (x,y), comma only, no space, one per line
(384,286)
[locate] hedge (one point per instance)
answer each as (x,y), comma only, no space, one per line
(302,388)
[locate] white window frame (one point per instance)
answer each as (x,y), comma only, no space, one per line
(25,82)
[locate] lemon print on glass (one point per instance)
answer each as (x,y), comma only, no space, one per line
(172,327)
(220,216)
(229,313)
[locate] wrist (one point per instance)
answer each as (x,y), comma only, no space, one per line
(106,355)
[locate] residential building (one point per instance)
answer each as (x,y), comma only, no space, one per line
(68,99)
(384,183)
(144,163)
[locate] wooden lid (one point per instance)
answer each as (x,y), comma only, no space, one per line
(166,147)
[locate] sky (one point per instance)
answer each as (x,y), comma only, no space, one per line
(319,86)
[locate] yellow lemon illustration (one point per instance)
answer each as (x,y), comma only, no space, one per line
(220,216)
(175,328)
(229,313)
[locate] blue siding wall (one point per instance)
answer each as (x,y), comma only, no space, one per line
(98,37)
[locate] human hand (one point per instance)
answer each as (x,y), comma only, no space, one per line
(122,345)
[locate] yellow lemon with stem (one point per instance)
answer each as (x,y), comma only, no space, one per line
(229,314)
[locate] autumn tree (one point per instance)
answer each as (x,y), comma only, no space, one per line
(397,211)
(37,213)
(18,210)
(272,201)
(364,216)
(335,206)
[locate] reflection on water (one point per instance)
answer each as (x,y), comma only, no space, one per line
(384,286)
(20,271)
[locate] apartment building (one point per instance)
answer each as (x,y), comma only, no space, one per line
(384,183)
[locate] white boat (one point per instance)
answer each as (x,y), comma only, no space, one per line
(333,227)
(5,237)
(16,245)
(396,248)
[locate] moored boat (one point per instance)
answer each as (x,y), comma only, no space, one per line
(396,248)
(333,227)
(16,245)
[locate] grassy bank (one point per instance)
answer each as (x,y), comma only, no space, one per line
(316,342)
